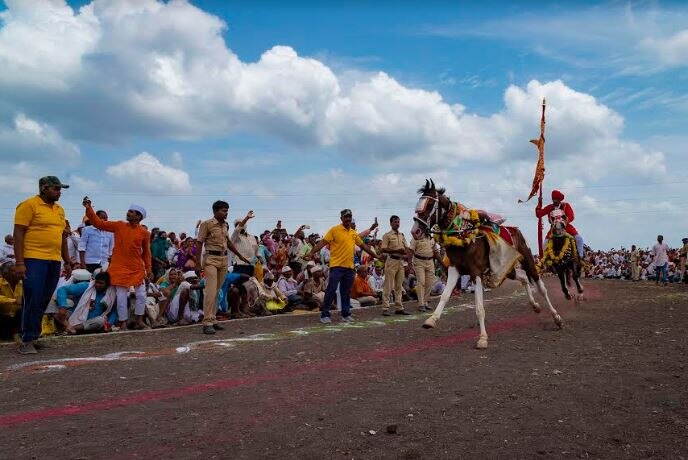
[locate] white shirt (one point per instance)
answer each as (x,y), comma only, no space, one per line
(6,253)
(660,251)
(96,244)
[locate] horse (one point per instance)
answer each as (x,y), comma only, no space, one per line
(435,214)
(562,257)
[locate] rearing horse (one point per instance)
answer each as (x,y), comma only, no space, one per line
(434,214)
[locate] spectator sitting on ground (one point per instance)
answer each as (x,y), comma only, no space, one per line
(269,296)
(232,296)
(94,305)
(67,296)
(361,290)
(183,308)
(7,250)
(11,297)
(290,288)
(376,280)
(314,288)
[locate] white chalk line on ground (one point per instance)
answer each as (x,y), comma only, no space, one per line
(57,364)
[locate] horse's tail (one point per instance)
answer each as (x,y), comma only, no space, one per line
(528,262)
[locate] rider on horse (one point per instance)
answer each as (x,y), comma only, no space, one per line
(558,203)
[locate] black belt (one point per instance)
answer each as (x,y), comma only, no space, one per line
(423,258)
(216,253)
(396,257)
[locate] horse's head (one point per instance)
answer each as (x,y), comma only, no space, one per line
(430,209)
(558,220)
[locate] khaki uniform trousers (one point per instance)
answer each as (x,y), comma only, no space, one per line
(394,278)
(635,272)
(215,269)
(425,276)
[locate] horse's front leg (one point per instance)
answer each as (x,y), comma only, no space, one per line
(480,312)
(562,274)
(452,278)
(543,291)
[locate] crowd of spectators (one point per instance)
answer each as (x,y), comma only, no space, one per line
(273,272)
(636,264)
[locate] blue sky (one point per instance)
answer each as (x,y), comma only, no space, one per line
(299,111)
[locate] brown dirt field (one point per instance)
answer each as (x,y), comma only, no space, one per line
(611,384)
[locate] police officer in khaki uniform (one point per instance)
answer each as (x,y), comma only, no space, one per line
(213,234)
(394,245)
(424,265)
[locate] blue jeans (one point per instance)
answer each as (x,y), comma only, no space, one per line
(39,285)
(344,277)
(663,270)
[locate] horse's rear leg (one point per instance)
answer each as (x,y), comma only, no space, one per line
(452,278)
(543,291)
(480,312)
(523,278)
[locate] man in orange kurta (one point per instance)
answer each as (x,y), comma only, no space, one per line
(130,265)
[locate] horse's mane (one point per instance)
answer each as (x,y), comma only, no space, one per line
(429,187)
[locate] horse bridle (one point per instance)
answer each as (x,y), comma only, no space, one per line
(435,212)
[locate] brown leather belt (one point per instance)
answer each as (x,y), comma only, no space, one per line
(396,257)
(216,253)
(423,258)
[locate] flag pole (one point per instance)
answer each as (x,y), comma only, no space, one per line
(540,226)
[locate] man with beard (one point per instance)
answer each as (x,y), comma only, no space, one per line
(40,242)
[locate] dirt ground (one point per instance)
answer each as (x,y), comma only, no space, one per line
(611,384)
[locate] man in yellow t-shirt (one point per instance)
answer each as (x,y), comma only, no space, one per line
(342,240)
(39,245)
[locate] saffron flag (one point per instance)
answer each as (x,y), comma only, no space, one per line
(540,167)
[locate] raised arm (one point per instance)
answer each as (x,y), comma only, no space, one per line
(97,221)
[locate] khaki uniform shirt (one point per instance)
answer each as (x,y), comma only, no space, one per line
(214,235)
(424,247)
(394,240)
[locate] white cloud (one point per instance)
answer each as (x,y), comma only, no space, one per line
(176,78)
(144,172)
(671,50)
(636,38)
(28,139)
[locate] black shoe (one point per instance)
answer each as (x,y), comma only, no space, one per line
(208,330)
(386,313)
(218,327)
(402,312)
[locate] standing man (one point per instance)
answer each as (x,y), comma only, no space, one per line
(394,245)
(246,244)
(683,259)
(95,246)
(131,260)
(40,242)
(634,260)
(660,251)
(342,240)
(424,265)
(159,247)
(213,234)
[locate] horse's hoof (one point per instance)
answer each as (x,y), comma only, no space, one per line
(536,307)
(482,343)
(430,323)
(568,296)
(558,321)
